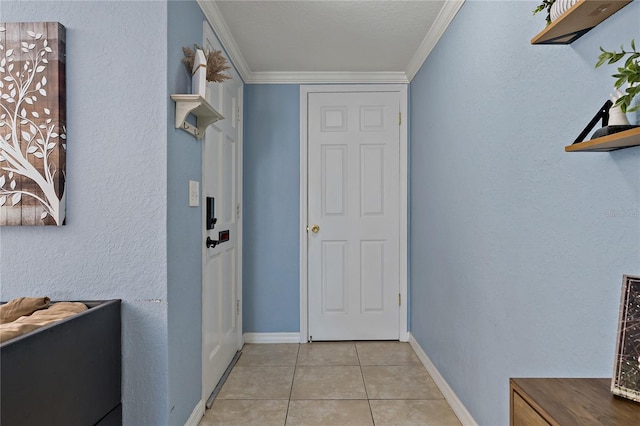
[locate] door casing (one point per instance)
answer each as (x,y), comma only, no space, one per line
(304,285)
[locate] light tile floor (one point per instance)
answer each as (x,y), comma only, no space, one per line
(329,384)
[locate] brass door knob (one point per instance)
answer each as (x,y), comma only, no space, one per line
(315,229)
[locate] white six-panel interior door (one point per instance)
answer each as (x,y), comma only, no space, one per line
(356,198)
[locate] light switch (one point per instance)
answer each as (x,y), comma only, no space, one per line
(194,193)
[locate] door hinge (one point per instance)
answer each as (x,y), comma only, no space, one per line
(237,306)
(399,299)
(238,115)
(237,211)
(399,118)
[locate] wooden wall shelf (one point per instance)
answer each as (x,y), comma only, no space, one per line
(559,401)
(198,106)
(578,20)
(620,140)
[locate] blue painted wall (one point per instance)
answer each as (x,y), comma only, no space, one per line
(114,244)
(184,230)
(271,191)
(518,248)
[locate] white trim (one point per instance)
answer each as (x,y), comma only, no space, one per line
(239,202)
(404,215)
(441,23)
(311,77)
(213,15)
(456,405)
(404,197)
(196,414)
(304,248)
(272,337)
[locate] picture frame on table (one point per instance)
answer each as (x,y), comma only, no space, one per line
(626,370)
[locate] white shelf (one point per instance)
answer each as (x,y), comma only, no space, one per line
(198,106)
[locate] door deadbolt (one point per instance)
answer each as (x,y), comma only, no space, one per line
(315,229)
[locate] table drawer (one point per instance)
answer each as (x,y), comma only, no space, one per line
(524,414)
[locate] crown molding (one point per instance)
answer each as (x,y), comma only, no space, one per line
(220,28)
(441,23)
(310,77)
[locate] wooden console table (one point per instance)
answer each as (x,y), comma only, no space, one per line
(560,402)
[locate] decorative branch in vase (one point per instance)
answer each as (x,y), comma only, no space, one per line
(204,65)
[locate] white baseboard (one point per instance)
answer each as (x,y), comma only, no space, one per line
(196,415)
(272,337)
(456,405)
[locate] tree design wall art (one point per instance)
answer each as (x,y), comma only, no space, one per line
(32,123)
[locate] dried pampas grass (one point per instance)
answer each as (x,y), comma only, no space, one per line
(216,63)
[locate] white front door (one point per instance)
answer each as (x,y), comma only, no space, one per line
(354,207)
(221,180)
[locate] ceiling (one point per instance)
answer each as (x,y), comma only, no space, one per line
(310,41)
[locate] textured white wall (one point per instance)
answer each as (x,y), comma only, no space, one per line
(114,243)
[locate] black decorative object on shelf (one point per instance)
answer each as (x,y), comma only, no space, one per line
(610,130)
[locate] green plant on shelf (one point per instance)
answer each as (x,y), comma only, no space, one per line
(545,5)
(628,74)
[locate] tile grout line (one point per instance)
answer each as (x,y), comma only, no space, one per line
(364,384)
(295,367)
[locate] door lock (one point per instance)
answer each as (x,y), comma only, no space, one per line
(211,243)
(223,236)
(315,229)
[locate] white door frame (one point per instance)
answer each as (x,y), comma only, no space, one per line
(305,90)
(239,175)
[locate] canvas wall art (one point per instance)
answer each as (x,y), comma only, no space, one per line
(626,375)
(32,123)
